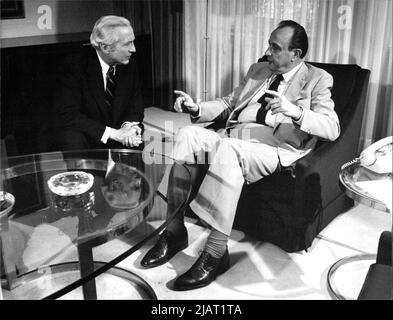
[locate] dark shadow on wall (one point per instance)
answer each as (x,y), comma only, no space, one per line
(162,21)
(29,76)
(167,47)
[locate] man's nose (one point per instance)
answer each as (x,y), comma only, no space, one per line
(267,52)
(132,48)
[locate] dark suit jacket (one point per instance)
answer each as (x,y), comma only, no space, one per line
(79,100)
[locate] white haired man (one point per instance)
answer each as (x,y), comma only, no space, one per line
(99,103)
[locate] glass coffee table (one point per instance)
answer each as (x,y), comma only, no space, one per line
(58,208)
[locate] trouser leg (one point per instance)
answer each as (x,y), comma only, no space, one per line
(191,145)
(231,162)
(235,161)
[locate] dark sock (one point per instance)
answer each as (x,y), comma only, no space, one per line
(216,243)
(177,225)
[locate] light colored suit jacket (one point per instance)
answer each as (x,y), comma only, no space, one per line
(309,88)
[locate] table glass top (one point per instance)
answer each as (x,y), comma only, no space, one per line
(366,186)
(53,204)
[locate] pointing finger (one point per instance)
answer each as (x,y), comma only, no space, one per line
(273,93)
(183,94)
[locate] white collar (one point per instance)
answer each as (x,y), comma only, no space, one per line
(288,75)
(104,65)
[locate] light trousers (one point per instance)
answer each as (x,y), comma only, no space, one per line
(231,162)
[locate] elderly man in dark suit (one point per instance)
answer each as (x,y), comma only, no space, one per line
(274,117)
(99,102)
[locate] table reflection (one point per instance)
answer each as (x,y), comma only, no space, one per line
(123,187)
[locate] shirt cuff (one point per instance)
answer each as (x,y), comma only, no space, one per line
(199,112)
(106,135)
(299,121)
(129,124)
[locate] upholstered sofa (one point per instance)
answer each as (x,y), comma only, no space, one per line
(290,207)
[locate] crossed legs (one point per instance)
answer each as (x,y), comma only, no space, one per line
(231,162)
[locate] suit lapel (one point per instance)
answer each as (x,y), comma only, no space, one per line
(257,81)
(122,85)
(96,82)
(297,83)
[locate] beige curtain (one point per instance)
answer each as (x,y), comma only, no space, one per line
(222,38)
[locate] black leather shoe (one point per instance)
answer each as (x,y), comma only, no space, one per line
(203,272)
(166,247)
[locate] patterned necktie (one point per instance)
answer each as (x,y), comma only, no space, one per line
(110,86)
(274,86)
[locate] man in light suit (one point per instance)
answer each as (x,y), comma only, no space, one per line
(274,117)
(99,101)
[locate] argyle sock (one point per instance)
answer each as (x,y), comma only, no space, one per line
(216,243)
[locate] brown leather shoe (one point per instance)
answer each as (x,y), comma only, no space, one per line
(203,271)
(166,247)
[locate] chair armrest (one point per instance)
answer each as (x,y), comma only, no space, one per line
(314,174)
(328,158)
(324,164)
(321,168)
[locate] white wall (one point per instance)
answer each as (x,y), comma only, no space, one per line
(68,16)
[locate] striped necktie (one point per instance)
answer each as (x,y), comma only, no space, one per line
(110,86)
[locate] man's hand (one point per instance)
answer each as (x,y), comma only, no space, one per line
(280,104)
(134,136)
(128,135)
(191,106)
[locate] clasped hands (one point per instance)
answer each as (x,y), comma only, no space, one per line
(130,134)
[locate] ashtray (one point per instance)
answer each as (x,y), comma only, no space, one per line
(71,183)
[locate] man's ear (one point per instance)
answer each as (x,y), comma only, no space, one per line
(297,53)
(105,48)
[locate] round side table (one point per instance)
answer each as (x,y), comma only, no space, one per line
(351,177)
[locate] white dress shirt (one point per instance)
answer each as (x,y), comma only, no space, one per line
(104,69)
